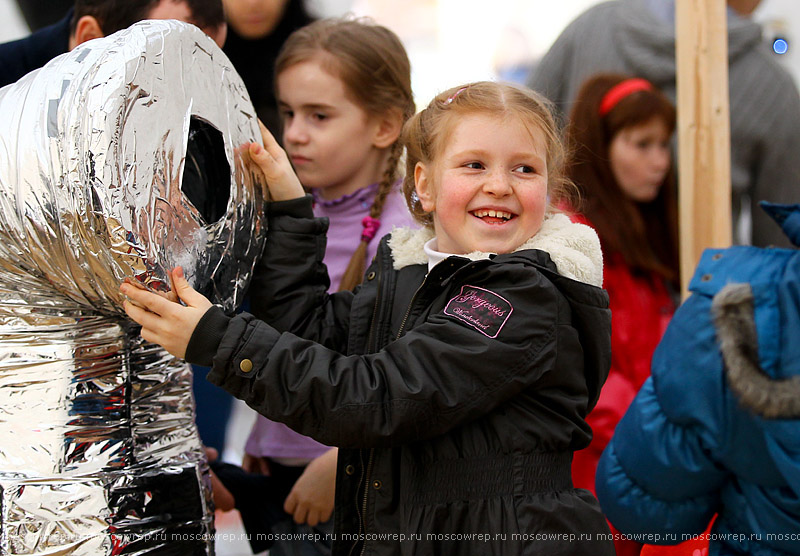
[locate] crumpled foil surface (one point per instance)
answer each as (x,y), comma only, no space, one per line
(117,160)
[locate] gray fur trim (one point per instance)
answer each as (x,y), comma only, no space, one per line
(732,309)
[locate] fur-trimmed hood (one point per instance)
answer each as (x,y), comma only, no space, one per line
(574,248)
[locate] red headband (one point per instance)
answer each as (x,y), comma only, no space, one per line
(620,91)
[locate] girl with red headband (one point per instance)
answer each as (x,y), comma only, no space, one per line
(619,134)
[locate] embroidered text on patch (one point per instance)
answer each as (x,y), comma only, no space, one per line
(482,309)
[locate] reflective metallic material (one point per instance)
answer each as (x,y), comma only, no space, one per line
(117,160)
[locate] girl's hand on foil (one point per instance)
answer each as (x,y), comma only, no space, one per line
(170,295)
(164,322)
(273,163)
(251,174)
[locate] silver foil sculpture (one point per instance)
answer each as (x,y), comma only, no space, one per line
(118,159)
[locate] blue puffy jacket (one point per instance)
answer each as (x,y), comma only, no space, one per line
(716,429)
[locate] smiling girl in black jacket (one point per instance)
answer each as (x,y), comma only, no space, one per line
(456,378)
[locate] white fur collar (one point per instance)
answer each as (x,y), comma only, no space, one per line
(574,248)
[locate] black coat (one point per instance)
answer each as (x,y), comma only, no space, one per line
(457,399)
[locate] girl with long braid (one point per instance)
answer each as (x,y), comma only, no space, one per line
(344,93)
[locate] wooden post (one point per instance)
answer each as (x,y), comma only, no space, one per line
(704,151)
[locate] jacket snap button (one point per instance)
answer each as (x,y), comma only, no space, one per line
(371,275)
(349,469)
(246,365)
(716,257)
(377,485)
(706,278)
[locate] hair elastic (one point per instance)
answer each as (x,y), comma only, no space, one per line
(371,226)
(622,90)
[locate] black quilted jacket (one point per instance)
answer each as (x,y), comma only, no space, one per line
(457,398)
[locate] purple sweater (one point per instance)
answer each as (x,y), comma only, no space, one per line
(276,440)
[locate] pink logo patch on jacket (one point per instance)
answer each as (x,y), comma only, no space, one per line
(483,310)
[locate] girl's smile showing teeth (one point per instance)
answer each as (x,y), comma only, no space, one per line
(493,216)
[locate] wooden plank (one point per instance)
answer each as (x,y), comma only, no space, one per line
(704,151)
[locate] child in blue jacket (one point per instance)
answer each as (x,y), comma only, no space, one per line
(716,429)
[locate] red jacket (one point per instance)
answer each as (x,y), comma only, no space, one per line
(641,307)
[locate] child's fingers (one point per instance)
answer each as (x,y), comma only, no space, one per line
(145,318)
(296,509)
(271,159)
(171,332)
(165,322)
(264,161)
(300,514)
(186,292)
(148,300)
(255,171)
(169,296)
(134,283)
(282,181)
(272,154)
(290,504)
(151,336)
(312,518)
(270,143)
(173,295)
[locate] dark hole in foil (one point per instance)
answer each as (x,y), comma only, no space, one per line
(206,174)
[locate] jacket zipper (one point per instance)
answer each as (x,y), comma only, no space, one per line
(408,311)
(363,521)
(374,312)
(366,493)
(363,524)
(422,285)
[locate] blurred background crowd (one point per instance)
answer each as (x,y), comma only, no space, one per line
(455,41)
